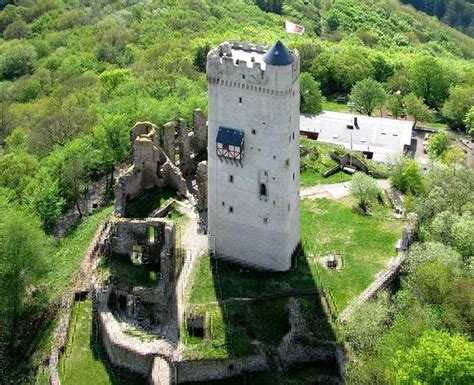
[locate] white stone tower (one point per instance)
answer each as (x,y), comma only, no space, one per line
(253,154)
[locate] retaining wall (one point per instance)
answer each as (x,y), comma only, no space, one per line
(81,281)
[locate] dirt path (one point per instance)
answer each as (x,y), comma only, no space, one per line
(194,245)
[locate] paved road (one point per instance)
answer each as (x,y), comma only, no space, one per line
(334,191)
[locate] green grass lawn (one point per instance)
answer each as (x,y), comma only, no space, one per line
(232,328)
(317,162)
(310,178)
(365,244)
(81,364)
(329,105)
(126,274)
(70,250)
(67,257)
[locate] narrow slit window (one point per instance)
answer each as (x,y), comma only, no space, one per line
(151,235)
(240,100)
(231,209)
(231,178)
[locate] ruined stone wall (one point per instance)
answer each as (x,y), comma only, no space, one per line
(204,370)
(162,373)
(200,131)
(126,233)
(153,165)
(125,355)
(124,350)
(129,232)
(81,281)
(201,180)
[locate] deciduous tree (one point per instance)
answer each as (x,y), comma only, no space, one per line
(364,188)
(469,120)
(367,95)
(436,358)
(460,100)
(311,98)
(438,144)
(17,60)
(429,81)
(415,107)
(405,175)
(395,105)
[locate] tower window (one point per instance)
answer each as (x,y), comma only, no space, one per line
(263,190)
(293,136)
(231,178)
(223,203)
(231,209)
(265,220)
(243,76)
(293,176)
(289,138)
(240,100)
(287,162)
(253,131)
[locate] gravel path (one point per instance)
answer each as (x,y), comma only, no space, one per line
(334,191)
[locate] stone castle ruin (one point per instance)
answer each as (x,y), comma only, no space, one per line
(138,318)
(148,242)
(154,160)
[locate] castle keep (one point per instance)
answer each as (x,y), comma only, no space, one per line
(253,154)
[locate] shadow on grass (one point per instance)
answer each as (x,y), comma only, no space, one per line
(251,315)
(116,375)
(149,200)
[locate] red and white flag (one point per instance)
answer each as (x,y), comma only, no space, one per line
(293,28)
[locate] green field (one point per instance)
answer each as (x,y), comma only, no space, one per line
(365,244)
(82,363)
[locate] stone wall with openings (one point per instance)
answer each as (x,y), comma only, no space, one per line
(154,161)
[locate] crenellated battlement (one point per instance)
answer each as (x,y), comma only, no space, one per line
(242,65)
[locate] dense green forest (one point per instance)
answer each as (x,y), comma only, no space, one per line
(456,13)
(75,75)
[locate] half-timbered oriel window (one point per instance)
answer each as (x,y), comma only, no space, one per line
(230,143)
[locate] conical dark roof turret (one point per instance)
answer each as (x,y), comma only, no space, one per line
(278,55)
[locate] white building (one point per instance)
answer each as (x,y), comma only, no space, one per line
(378,138)
(253,154)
